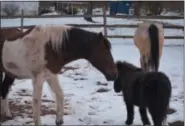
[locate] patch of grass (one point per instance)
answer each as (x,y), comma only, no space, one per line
(102,90)
(100,83)
(171,111)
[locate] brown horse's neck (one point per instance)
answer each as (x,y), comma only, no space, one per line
(76,44)
(80,53)
(55,62)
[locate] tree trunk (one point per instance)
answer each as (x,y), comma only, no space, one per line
(87,16)
(137,6)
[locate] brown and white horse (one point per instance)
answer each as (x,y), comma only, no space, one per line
(149,39)
(5,83)
(41,52)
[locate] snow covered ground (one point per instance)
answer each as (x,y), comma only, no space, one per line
(85,102)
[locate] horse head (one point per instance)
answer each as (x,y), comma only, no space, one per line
(102,59)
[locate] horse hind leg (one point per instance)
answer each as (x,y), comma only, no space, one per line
(130,113)
(144,117)
(153,111)
(5,86)
(143,63)
(55,87)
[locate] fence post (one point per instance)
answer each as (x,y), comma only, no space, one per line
(104,20)
(22,19)
(72,9)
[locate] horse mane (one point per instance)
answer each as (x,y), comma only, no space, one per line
(107,43)
(123,65)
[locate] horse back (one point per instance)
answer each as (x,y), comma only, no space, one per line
(6,33)
(142,40)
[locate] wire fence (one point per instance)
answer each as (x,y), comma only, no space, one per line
(104,24)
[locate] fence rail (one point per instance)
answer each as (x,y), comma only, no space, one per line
(130,36)
(99,15)
(102,25)
(110,26)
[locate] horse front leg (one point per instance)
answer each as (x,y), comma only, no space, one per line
(37,93)
(130,113)
(55,87)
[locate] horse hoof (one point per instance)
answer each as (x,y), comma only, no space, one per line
(147,123)
(128,122)
(6,114)
(5,117)
(59,122)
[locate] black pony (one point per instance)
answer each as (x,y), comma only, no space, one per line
(150,90)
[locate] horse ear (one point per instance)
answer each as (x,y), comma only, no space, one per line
(119,65)
(100,35)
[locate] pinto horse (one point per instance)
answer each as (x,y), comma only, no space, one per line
(42,51)
(8,81)
(149,38)
(150,90)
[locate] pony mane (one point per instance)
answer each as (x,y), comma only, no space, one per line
(123,65)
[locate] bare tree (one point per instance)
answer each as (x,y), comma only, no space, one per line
(136,5)
(10,9)
(154,7)
(89,11)
(147,7)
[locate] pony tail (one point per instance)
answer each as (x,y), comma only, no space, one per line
(154,48)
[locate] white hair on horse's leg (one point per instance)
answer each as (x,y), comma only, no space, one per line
(55,87)
(165,122)
(37,93)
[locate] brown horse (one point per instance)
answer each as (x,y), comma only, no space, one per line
(8,81)
(42,51)
(149,38)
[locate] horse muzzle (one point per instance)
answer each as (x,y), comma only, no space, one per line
(111,77)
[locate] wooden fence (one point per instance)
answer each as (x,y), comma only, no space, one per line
(104,25)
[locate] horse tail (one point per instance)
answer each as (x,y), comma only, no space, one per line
(154,48)
(163,99)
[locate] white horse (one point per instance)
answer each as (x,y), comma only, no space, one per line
(149,39)
(41,52)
